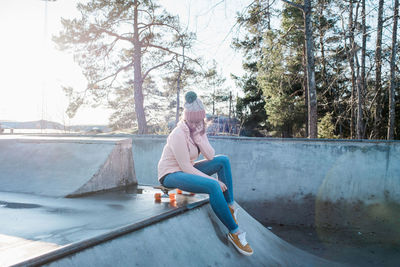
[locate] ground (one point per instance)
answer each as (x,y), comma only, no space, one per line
(342,247)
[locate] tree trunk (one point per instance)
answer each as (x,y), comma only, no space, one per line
(312,92)
(230,114)
(353,76)
(137,81)
(322,46)
(178,91)
(360,126)
(230,105)
(392,103)
(268,15)
(362,86)
(305,86)
(213,101)
(378,71)
(338,106)
(178,86)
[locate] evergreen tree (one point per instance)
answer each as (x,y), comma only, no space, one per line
(311,93)
(179,80)
(326,128)
(214,94)
(352,88)
(281,75)
(182,72)
(251,107)
(281,79)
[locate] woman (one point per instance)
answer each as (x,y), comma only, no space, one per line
(177,169)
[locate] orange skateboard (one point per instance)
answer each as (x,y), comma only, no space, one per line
(166,194)
(180,192)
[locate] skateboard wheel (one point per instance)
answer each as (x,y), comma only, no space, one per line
(172,196)
(157,196)
(179,191)
(192,194)
(172,203)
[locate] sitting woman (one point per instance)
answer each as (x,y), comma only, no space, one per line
(177,169)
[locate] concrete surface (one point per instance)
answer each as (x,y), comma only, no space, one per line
(322,183)
(41,226)
(66,166)
(195,238)
(344,246)
(326,184)
(33,225)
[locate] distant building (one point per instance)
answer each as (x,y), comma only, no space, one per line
(95,130)
(217,125)
(6,129)
(222,125)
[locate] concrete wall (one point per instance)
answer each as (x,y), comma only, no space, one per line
(328,184)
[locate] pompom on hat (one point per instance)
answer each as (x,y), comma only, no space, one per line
(193,109)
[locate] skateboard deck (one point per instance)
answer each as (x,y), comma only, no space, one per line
(166,193)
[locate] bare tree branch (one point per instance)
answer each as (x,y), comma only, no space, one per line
(115,35)
(147,12)
(111,46)
(115,74)
(149,25)
(170,51)
(155,67)
(301,7)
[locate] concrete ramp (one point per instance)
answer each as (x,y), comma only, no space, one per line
(64,167)
(194,238)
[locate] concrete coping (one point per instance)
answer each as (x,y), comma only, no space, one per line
(64,139)
(241,138)
(272,139)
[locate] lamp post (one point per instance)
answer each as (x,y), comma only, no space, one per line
(44,65)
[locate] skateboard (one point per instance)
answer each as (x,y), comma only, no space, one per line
(180,192)
(166,193)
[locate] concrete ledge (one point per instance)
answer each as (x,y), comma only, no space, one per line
(64,166)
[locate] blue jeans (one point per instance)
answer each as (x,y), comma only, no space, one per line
(219,200)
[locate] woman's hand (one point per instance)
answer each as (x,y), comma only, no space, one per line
(197,134)
(223,186)
(197,138)
(198,128)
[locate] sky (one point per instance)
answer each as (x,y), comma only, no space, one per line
(33,71)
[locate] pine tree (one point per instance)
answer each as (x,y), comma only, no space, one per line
(214,94)
(312,118)
(392,81)
(251,107)
(281,80)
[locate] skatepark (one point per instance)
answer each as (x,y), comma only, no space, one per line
(86,201)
